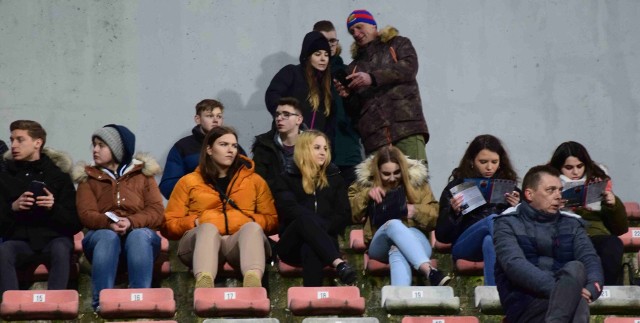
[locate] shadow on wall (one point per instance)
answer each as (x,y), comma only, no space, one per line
(270,65)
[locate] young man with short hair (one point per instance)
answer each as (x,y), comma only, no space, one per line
(184,156)
(42,219)
(273,150)
(547,269)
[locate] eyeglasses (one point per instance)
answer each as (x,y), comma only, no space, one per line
(285,115)
(334,41)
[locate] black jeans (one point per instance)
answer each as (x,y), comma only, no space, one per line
(56,255)
(610,250)
(566,303)
(305,242)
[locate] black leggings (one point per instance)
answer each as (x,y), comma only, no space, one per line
(305,242)
(610,251)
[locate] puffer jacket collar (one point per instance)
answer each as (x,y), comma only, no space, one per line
(418,173)
(385,35)
(141,162)
(61,159)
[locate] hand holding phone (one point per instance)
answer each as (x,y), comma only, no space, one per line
(37,188)
(341,76)
(112,216)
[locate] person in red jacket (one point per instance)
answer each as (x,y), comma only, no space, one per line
(221,212)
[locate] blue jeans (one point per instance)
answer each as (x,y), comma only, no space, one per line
(103,248)
(476,244)
(401,247)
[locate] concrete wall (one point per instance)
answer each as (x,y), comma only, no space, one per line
(534,73)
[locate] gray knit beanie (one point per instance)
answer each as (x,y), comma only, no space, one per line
(111,137)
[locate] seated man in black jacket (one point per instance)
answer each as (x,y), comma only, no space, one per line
(39,217)
(547,269)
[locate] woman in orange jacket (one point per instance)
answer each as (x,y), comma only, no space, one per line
(221,212)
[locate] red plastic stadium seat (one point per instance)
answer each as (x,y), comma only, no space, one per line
(39,305)
(440,319)
(374,267)
(146,322)
(356,240)
(622,320)
(162,266)
(438,246)
(325,301)
(633,210)
(631,240)
(241,301)
(287,270)
(137,302)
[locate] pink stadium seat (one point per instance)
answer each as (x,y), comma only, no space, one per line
(137,302)
(631,239)
(466,267)
(287,270)
(39,305)
(438,246)
(356,240)
(633,210)
(241,301)
(440,319)
(374,267)
(146,322)
(39,272)
(162,265)
(622,320)
(325,301)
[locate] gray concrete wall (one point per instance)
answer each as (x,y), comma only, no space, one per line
(534,73)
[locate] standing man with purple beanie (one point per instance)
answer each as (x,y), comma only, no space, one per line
(383,93)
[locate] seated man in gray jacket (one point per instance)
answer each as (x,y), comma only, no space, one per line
(547,269)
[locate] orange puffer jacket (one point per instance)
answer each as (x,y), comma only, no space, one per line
(193,199)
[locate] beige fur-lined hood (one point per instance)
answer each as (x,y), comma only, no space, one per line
(59,158)
(150,167)
(386,34)
(418,173)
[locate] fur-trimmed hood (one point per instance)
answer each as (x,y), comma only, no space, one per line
(418,173)
(59,158)
(385,34)
(149,167)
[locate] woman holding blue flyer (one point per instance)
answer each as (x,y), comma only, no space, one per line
(393,194)
(470,232)
(607,218)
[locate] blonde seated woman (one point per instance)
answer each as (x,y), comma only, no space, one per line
(392,194)
(221,212)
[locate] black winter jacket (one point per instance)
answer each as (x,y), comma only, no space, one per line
(330,204)
(38,228)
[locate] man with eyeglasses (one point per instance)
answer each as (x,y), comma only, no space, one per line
(184,156)
(347,150)
(273,150)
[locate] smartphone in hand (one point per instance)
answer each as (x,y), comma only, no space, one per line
(112,216)
(37,188)
(341,76)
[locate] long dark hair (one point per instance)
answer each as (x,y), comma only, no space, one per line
(466,170)
(574,149)
(208,168)
(316,89)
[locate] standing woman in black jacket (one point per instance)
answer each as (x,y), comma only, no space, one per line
(313,208)
(309,82)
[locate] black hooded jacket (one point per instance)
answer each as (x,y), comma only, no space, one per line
(290,82)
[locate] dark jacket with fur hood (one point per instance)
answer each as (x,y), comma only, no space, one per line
(426,207)
(390,109)
(39,226)
(134,195)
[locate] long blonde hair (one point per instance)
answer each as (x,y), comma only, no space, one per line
(313,175)
(314,87)
(391,154)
